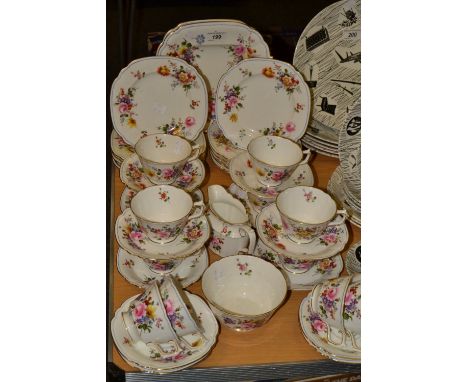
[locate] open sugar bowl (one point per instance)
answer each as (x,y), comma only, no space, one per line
(243,291)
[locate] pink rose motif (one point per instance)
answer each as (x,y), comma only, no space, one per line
(330,238)
(239,50)
(185,179)
(189,121)
(242,267)
(212,106)
(319,325)
(270,191)
(278,175)
(331,293)
(348,298)
(140,310)
(169,305)
(290,127)
(123,108)
(135,235)
(168,173)
(232,101)
(163,234)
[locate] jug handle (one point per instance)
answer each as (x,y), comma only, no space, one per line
(252,238)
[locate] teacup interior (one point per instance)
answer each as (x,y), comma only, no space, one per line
(306,204)
(229,287)
(163,148)
(275,151)
(161,204)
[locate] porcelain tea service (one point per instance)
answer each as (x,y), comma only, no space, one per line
(243,291)
(163,156)
(163,211)
(231,231)
(275,158)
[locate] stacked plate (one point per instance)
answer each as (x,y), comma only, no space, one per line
(221,148)
(120,149)
(164,329)
(328,55)
(330,318)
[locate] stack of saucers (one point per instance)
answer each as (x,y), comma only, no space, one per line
(164,329)
(330,318)
(302,233)
(328,54)
(120,149)
(221,149)
(345,183)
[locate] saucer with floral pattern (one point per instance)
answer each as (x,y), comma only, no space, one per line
(138,273)
(132,174)
(270,231)
(146,359)
(131,237)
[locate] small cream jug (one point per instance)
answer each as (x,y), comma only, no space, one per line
(231,232)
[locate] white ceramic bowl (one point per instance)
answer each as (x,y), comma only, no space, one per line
(243,291)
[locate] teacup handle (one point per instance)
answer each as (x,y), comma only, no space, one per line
(201,209)
(174,343)
(195,153)
(340,218)
(252,238)
(353,339)
(189,345)
(306,159)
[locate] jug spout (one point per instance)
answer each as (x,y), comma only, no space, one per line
(225,206)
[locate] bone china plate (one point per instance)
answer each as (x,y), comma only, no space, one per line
(262,96)
(158,95)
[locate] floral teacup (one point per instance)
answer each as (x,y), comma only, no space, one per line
(163,211)
(162,266)
(293,265)
(352,310)
(328,301)
(275,158)
(180,313)
(146,322)
(163,156)
(306,212)
(243,291)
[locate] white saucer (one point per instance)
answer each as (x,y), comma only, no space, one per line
(138,273)
(131,173)
(128,194)
(243,174)
(131,238)
(270,231)
(140,357)
(341,353)
(302,281)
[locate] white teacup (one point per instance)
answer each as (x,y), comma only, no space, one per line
(243,291)
(352,309)
(163,156)
(146,321)
(306,212)
(163,211)
(275,158)
(181,314)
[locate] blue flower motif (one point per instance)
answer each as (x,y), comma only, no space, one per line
(200,39)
